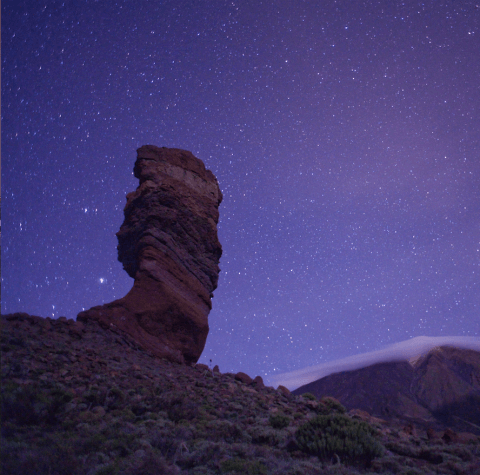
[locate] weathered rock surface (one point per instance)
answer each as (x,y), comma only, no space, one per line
(168,243)
(440,389)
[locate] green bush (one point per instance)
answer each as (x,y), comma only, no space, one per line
(310,396)
(224,430)
(110,469)
(115,398)
(94,397)
(265,435)
(279,421)
(238,465)
(52,457)
(32,404)
(333,405)
(337,436)
(179,408)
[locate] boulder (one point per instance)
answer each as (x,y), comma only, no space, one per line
(168,243)
(283,390)
(243,377)
(258,382)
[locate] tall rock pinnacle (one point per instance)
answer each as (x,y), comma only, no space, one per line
(168,243)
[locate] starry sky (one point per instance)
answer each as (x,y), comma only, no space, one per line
(345,136)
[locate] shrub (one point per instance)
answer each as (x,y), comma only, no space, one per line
(310,396)
(265,435)
(114,398)
(179,408)
(94,397)
(333,404)
(110,469)
(337,436)
(20,404)
(238,465)
(205,452)
(224,430)
(152,464)
(32,404)
(51,458)
(279,421)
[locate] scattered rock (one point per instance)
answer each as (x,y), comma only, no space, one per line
(244,378)
(410,430)
(258,382)
(359,414)
(467,438)
(168,243)
(449,436)
(284,390)
(433,435)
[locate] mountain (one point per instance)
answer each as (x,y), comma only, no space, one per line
(79,399)
(440,389)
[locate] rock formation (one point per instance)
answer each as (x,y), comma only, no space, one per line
(168,243)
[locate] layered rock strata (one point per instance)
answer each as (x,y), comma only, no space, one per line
(168,243)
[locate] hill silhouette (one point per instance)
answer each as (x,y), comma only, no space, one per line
(79,399)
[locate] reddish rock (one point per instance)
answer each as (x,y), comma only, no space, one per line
(410,429)
(283,390)
(433,435)
(467,438)
(258,382)
(168,243)
(449,436)
(244,378)
(359,414)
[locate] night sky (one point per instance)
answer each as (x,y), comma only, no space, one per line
(345,136)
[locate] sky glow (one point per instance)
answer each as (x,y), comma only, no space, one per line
(344,136)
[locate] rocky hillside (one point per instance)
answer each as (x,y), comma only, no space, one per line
(438,390)
(80,399)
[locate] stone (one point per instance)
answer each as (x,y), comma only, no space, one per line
(433,435)
(467,438)
(243,377)
(283,390)
(359,414)
(449,436)
(168,243)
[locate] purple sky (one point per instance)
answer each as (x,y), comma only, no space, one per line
(345,137)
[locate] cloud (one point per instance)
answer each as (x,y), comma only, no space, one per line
(408,350)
